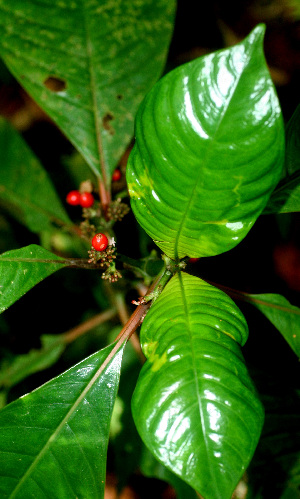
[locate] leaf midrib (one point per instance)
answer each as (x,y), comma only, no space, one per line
(188,328)
(96,113)
(79,399)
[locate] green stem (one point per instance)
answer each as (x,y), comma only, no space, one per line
(157,287)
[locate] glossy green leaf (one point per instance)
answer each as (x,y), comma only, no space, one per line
(209,151)
(194,405)
(25,188)
(88,63)
(22,269)
(36,360)
(284,316)
(53,441)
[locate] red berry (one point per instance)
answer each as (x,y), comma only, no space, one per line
(116,175)
(100,242)
(193,260)
(86,200)
(73,198)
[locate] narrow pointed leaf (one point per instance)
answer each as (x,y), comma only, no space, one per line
(207,156)
(54,440)
(25,188)
(284,316)
(88,64)
(194,405)
(22,269)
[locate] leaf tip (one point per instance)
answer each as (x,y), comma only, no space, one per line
(256,36)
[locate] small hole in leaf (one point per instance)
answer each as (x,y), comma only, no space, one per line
(119,96)
(55,84)
(106,123)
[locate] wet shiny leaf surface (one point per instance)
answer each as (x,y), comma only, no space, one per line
(194,405)
(209,151)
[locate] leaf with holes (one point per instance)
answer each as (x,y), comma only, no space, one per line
(88,64)
(54,440)
(25,188)
(22,269)
(207,157)
(194,405)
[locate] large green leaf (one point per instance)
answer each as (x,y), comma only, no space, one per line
(22,269)
(25,188)
(88,64)
(53,441)
(284,316)
(209,151)
(194,405)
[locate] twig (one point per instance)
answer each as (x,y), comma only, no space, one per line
(84,327)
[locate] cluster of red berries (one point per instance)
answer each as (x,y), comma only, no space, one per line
(84,199)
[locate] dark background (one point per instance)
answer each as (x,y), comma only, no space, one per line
(268,260)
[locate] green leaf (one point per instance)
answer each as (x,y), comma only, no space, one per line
(22,269)
(284,316)
(209,151)
(194,405)
(32,362)
(286,197)
(25,188)
(88,64)
(54,440)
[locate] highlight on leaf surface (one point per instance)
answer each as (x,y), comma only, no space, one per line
(209,151)
(195,405)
